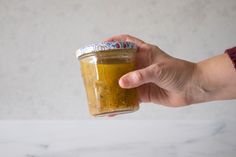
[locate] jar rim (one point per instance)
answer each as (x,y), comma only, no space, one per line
(105,46)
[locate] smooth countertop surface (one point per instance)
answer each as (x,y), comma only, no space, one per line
(116,138)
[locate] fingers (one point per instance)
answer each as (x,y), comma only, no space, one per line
(111,115)
(127,38)
(139,77)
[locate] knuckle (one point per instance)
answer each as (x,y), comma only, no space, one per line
(156,47)
(157,70)
(138,76)
(125,35)
(128,37)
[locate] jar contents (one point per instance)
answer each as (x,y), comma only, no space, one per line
(104,94)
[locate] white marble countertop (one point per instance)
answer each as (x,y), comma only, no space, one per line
(116,138)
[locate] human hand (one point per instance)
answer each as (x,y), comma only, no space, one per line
(159,78)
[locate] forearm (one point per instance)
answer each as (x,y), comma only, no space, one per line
(215,78)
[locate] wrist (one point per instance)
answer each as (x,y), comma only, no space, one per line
(198,91)
(214,79)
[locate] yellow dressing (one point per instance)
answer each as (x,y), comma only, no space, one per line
(103,91)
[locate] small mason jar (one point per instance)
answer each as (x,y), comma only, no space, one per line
(102,65)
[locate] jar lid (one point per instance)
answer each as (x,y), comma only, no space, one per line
(104,46)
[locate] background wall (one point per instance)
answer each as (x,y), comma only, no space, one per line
(40,76)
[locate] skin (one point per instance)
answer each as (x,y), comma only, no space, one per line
(163,79)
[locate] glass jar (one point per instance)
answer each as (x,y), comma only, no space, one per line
(102,65)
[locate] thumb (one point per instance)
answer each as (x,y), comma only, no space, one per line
(139,77)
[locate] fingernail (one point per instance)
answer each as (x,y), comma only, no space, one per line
(121,83)
(111,115)
(124,82)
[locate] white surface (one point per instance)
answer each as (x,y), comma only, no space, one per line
(117,138)
(40,77)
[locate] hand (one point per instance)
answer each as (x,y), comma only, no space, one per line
(159,78)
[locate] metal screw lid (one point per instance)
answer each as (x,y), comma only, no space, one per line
(104,46)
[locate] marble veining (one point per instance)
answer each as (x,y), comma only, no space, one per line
(140,138)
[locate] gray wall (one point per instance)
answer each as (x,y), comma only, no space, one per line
(40,76)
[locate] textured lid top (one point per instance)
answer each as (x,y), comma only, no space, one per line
(104,46)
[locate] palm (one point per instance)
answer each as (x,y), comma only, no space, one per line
(153,93)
